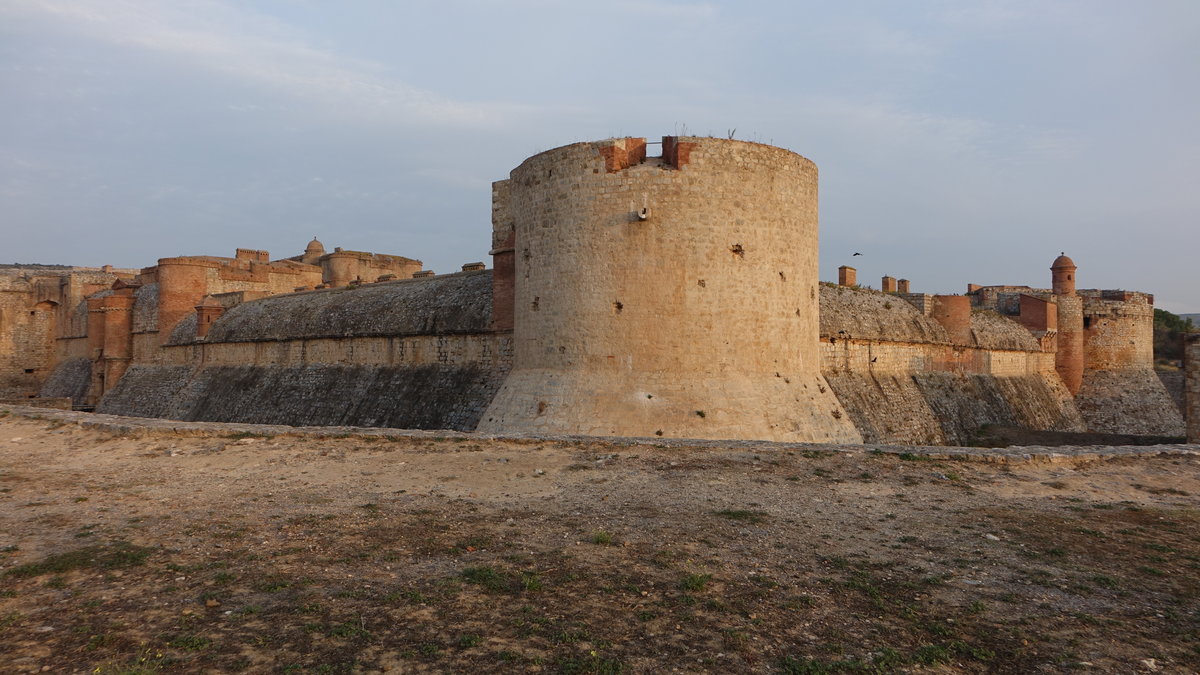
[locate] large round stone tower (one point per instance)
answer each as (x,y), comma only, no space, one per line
(671,296)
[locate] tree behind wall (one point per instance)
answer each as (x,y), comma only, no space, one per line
(1168,335)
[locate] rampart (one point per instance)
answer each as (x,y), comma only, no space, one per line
(414,354)
(903,379)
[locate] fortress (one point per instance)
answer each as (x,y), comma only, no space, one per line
(630,295)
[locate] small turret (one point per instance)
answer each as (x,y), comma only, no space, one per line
(1062,275)
(1068,359)
(209,310)
(313,252)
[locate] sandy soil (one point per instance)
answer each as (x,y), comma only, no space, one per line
(159,552)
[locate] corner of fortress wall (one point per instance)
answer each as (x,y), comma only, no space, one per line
(1192,385)
(1120,391)
(630,307)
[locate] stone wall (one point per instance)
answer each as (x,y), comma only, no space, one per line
(1192,373)
(71,348)
(990,330)
(452,303)
(341,268)
(282,276)
(71,379)
(26,339)
(451,396)
(1174,383)
(1118,334)
(936,407)
(145,309)
(1128,401)
(863,314)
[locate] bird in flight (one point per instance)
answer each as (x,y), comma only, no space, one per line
(856,253)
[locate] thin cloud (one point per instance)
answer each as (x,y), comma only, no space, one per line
(245,46)
(704,10)
(982,14)
(651,8)
(887,125)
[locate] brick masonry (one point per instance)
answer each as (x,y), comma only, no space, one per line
(37,305)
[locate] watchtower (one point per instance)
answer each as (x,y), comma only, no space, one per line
(1068,360)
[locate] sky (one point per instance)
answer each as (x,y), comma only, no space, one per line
(957,142)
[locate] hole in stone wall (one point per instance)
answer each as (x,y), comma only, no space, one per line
(701,283)
(617,306)
(534,304)
(737,250)
(782,276)
(29,370)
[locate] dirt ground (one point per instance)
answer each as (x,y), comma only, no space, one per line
(156,552)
